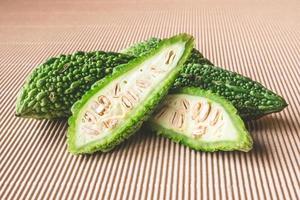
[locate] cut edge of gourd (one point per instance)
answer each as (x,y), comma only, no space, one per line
(242,143)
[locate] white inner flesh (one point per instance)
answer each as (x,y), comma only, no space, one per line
(111,106)
(196,117)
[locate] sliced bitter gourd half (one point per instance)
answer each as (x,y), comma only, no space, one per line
(201,120)
(117,105)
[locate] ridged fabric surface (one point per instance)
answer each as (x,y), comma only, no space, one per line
(260,39)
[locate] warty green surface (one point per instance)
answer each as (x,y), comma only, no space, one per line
(54,86)
(142,112)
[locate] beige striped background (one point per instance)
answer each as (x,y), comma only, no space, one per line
(260,39)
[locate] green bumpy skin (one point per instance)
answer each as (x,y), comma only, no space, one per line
(117,105)
(142,48)
(201,120)
(251,99)
(53,87)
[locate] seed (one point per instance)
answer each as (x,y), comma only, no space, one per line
(181,120)
(196,112)
(185,104)
(138,90)
(216,118)
(170,58)
(142,83)
(156,70)
(90,130)
(178,120)
(129,98)
(110,123)
(205,111)
(102,106)
(133,95)
(117,90)
(161,113)
(89,117)
(174,118)
(104,100)
(126,102)
(200,131)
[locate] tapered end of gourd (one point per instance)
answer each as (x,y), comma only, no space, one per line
(202,121)
(272,103)
(30,104)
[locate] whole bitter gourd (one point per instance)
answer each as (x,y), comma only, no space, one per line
(250,98)
(53,87)
(116,106)
(201,120)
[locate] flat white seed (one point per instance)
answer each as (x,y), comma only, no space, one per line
(156,70)
(216,117)
(89,117)
(110,123)
(204,112)
(133,95)
(171,115)
(196,111)
(180,120)
(177,119)
(185,103)
(170,57)
(174,118)
(126,102)
(161,113)
(117,90)
(138,90)
(103,105)
(90,130)
(142,83)
(199,131)
(104,100)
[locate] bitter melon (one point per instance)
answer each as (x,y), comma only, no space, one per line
(117,105)
(53,87)
(201,120)
(251,98)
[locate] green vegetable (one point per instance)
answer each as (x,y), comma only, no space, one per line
(53,87)
(117,105)
(251,99)
(202,121)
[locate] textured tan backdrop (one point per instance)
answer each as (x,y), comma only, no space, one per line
(260,39)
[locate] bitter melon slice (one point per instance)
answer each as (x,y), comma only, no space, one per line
(117,105)
(201,120)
